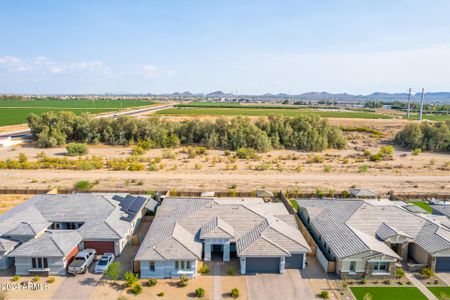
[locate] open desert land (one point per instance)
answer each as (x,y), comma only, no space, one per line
(334,170)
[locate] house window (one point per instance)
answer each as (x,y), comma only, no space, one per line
(352,267)
(39,263)
(380,267)
(183,265)
(152,266)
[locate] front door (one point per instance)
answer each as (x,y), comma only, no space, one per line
(352,266)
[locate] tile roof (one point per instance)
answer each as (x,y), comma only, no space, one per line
(443,209)
(225,217)
(101,216)
(7,245)
(354,226)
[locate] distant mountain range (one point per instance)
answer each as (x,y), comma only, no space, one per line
(433,97)
(429,97)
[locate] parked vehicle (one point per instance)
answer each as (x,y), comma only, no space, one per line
(104,263)
(82,261)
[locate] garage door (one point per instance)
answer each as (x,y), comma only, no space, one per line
(100,246)
(442,264)
(263,265)
(294,262)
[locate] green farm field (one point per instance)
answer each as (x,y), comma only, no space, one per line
(15,111)
(431,117)
(239,111)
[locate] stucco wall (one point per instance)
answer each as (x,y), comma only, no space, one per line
(55,264)
(419,254)
(166,269)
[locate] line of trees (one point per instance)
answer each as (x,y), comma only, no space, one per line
(425,136)
(308,133)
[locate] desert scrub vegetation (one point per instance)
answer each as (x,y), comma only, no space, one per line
(373,132)
(45,162)
(426,136)
(77,149)
(308,132)
(83,185)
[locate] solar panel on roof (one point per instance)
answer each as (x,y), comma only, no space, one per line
(117,198)
(137,204)
(126,203)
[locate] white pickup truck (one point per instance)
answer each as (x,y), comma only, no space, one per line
(82,261)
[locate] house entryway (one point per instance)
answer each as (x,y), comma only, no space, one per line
(217,252)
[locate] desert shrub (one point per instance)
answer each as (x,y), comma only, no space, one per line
(227,153)
(36,278)
(15,278)
(345,194)
(427,272)
(51,279)
(136,289)
(231,271)
(130,278)
(327,168)
(136,166)
(145,144)
(138,150)
(204,269)
(399,272)
(113,271)
(375,157)
(317,158)
(416,151)
(117,164)
(83,185)
(246,153)
(74,149)
(198,166)
(183,281)
(325,294)
(152,282)
(200,292)
(235,293)
(363,168)
(263,167)
(160,294)
(168,154)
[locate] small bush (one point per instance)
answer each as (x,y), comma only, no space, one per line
(51,279)
(138,150)
(183,281)
(76,149)
(400,273)
(198,166)
(153,167)
(231,271)
(263,167)
(327,168)
(136,289)
(145,144)
(427,272)
(136,166)
(168,154)
(325,294)
(235,293)
(35,278)
(160,294)
(375,157)
(15,278)
(200,292)
(416,151)
(387,282)
(204,269)
(314,159)
(131,278)
(152,282)
(83,185)
(227,153)
(246,153)
(363,168)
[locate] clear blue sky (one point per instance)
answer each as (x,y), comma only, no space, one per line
(202,46)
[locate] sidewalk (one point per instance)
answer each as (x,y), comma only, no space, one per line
(420,286)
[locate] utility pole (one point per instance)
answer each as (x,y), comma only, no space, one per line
(421,105)
(409,103)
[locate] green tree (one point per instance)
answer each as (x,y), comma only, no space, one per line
(113,271)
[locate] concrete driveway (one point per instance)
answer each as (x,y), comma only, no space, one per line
(287,286)
(79,286)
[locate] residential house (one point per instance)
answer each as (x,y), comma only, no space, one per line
(368,238)
(263,236)
(43,234)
